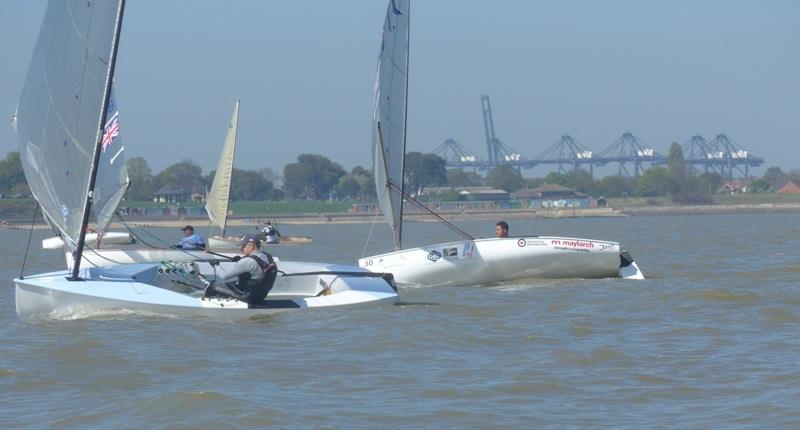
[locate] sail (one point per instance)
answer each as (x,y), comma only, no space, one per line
(389,115)
(61,106)
(112,174)
(218,197)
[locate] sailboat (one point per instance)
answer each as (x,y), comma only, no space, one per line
(218,198)
(110,186)
(469,261)
(60,121)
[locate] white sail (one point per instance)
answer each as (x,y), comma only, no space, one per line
(112,173)
(219,196)
(389,115)
(60,113)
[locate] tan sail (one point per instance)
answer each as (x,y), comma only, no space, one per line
(218,197)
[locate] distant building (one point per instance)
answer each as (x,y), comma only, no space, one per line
(176,195)
(735,187)
(470,193)
(791,186)
(555,196)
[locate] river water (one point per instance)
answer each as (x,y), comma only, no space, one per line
(709,340)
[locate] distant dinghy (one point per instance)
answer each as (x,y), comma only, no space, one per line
(470,261)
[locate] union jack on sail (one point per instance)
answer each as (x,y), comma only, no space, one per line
(111,131)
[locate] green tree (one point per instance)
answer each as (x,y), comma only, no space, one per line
(249,185)
(556,178)
(424,170)
(677,165)
(504,177)
(12,177)
(616,186)
(460,178)
(655,181)
(580,180)
(366,182)
(141,178)
(312,176)
(184,174)
(773,174)
(348,188)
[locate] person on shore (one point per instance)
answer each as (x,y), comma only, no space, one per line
(251,278)
(190,240)
(270,233)
(501,229)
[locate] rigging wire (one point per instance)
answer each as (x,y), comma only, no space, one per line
(430,211)
(30,235)
(371,229)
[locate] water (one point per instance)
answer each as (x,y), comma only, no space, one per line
(709,340)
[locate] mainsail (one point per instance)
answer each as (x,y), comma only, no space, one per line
(217,201)
(389,115)
(60,113)
(112,174)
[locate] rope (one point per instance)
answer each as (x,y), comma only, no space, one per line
(28,246)
(422,206)
(369,236)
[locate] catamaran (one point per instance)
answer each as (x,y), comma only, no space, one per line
(64,106)
(470,261)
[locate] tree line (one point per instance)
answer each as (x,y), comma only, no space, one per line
(316,177)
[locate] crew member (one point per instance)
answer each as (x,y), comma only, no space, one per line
(251,278)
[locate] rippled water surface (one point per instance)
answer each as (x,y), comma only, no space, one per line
(710,340)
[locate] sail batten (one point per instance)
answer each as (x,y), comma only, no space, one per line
(389,115)
(219,196)
(60,115)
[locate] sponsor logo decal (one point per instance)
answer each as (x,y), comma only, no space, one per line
(521,243)
(434,256)
(450,252)
(573,245)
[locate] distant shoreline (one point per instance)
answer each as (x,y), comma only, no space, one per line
(467,215)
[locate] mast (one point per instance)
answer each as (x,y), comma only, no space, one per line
(233,157)
(78,255)
(405,128)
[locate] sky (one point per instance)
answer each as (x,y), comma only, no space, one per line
(304,71)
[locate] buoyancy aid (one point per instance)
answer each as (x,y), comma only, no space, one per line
(259,288)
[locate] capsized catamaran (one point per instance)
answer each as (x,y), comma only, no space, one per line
(63,108)
(219,197)
(470,261)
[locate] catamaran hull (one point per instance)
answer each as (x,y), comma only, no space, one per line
(52,296)
(488,261)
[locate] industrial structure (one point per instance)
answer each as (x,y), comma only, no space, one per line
(722,155)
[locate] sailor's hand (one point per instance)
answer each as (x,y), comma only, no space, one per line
(236,258)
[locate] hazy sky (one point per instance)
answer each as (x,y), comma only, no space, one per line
(663,70)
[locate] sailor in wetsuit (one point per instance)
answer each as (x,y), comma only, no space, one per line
(251,278)
(270,234)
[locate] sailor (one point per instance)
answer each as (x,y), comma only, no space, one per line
(501,229)
(251,278)
(270,233)
(191,240)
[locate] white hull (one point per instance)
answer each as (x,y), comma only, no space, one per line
(109,238)
(111,257)
(488,261)
(232,243)
(151,289)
